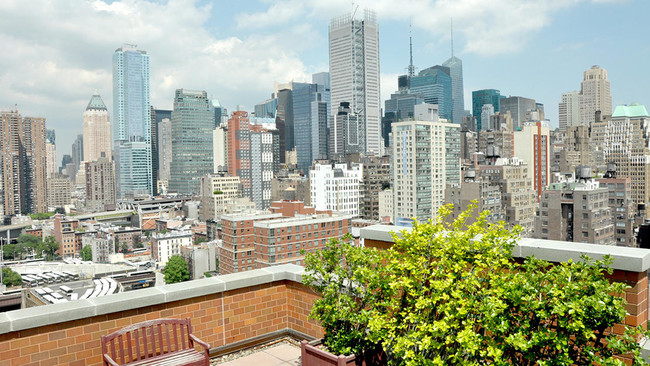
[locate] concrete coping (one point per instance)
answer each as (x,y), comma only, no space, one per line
(624,258)
(39,316)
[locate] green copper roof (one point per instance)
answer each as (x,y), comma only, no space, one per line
(632,110)
(96,102)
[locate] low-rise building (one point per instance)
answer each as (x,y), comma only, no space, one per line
(164,246)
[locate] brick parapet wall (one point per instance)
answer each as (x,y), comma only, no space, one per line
(219,318)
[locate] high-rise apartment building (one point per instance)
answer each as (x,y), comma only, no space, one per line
(220,149)
(132,122)
(354,73)
(161,150)
(576,211)
(100,184)
(532,145)
(624,140)
(479,99)
(376,178)
(475,190)
(455,66)
(622,207)
(425,159)
(96,130)
(50,152)
(24,163)
(336,187)
(346,133)
(595,95)
(569,110)
(192,128)
(59,190)
(434,85)
(164,148)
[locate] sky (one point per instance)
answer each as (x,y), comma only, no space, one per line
(56,53)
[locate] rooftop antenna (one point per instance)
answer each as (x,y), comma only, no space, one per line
(451,21)
(411,69)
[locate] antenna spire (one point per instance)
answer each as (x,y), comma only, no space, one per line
(411,69)
(451,21)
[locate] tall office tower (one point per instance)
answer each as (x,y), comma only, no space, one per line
(399,107)
(96,129)
(164,148)
(624,139)
(434,84)
(346,133)
(100,184)
(455,66)
(532,145)
(596,96)
(24,163)
(284,120)
(336,187)
(487,111)
(354,73)
(50,152)
(310,124)
(426,158)
(132,122)
(220,149)
(518,107)
(239,145)
(576,211)
(267,108)
(482,97)
(192,127)
(264,162)
(67,159)
(569,110)
(77,155)
(322,79)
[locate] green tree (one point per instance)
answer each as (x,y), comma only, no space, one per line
(347,278)
(49,246)
(457,297)
(176,270)
(9,251)
(28,244)
(11,278)
(87,253)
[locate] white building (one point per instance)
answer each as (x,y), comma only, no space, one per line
(164,246)
(102,246)
(426,157)
(336,187)
(220,150)
(354,73)
(216,192)
(569,110)
(386,205)
(532,146)
(596,96)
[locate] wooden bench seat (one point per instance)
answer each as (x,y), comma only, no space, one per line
(163,342)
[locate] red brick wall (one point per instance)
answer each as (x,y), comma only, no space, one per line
(218,319)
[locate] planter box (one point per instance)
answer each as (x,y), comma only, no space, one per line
(313,355)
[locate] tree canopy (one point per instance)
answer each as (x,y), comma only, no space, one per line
(49,247)
(87,253)
(176,270)
(11,278)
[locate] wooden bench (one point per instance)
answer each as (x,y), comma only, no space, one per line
(155,342)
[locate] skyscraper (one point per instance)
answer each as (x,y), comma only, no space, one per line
(455,66)
(192,126)
(310,123)
(160,118)
(481,97)
(569,110)
(23,158)
(354,73)
(77,155)
(132,122)
(50,150)
(518,107)
(434,84)
(100,184)
(96,130)
(596,96)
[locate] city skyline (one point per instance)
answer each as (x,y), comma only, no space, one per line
(551,45)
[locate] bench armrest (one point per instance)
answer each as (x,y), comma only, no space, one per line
(109,361)
(203,344)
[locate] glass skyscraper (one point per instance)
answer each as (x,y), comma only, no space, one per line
(192,126)
(455,66)
(132,122)
(480,98)
(310,123)
(435,86)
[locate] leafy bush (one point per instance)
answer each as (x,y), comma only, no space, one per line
(11,278)
(176,270)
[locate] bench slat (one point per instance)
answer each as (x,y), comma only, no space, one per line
(145,340)
(175,326)
(160,340)
(185,357)
(137,344)
(169,345)
(119,339)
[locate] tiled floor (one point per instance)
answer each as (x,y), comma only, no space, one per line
(283,354)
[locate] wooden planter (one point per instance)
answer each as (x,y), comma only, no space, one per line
(313,355)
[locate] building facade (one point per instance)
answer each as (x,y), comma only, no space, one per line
(354,72)
(595,95)
(100,184)
(336,187)
(132,122)
(455,66)
(216,191)
(434,85)
(479,99)
(376,178)
(24,163)
(192,127)
(532,146)
(96,130)
(59,190)
(569,110)
(164,246)
(518,107)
